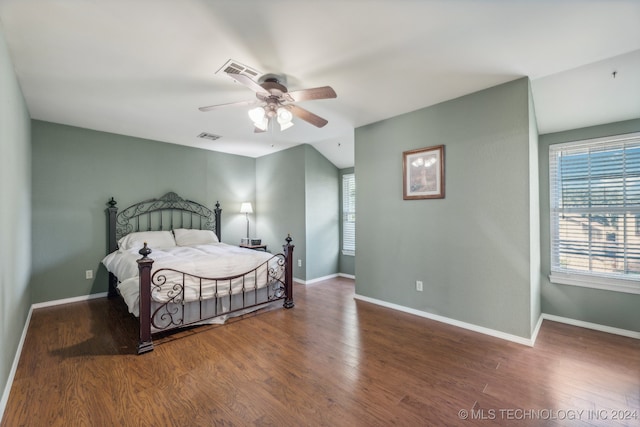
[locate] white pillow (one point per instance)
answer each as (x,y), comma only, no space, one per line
(186,237)
(154,239)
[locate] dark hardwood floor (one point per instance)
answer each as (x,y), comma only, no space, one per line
(331,360)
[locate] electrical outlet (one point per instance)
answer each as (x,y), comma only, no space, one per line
(88,274)
(299,263)
(419,285)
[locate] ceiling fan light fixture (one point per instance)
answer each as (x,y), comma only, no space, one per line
(257,115)
(284,115)
(262,124)
(284,118)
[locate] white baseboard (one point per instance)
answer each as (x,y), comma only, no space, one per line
(14,365)
(319,279)
(481,329)
(534,334)
(498,334)
(594,326)
(68,300)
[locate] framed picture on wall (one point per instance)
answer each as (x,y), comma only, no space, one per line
(423,173)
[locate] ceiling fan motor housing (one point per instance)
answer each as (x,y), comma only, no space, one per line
(271,77)
(275,89)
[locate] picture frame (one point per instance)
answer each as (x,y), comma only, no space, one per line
(423,173)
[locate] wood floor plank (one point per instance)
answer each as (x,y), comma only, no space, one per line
(331,360)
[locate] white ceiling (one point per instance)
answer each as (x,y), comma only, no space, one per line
(143,67)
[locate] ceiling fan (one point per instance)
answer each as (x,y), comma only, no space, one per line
(275,101)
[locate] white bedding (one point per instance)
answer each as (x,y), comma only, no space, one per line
(212,260)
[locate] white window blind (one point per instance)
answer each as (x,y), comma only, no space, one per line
(349,214)
(595,213)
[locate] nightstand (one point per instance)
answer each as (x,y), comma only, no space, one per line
(254,247)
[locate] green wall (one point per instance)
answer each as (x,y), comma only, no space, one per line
(346,263)
(614,309)
(534,216)
(471,249)
(75,172)
(297,194)
(280,186)
(322,206)
(15,215)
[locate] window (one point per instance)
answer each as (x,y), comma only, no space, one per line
(349,214)
(595,207)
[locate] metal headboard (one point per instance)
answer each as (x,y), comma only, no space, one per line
(165,213)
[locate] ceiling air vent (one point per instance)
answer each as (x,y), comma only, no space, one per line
(234,67)
(210,136)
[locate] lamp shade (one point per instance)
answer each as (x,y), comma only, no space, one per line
(284,115)
(257,114)
(284,118)
(285,126)
(245,208)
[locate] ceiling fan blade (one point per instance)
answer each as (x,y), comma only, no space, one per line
(242,79)
(258,130)
(306,115)
(231,104)
(323,92)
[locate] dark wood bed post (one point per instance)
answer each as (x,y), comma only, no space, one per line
(288,278)
(218,215)
(144,267)
(113,245)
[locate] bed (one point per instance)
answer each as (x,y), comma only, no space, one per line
(167,261)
